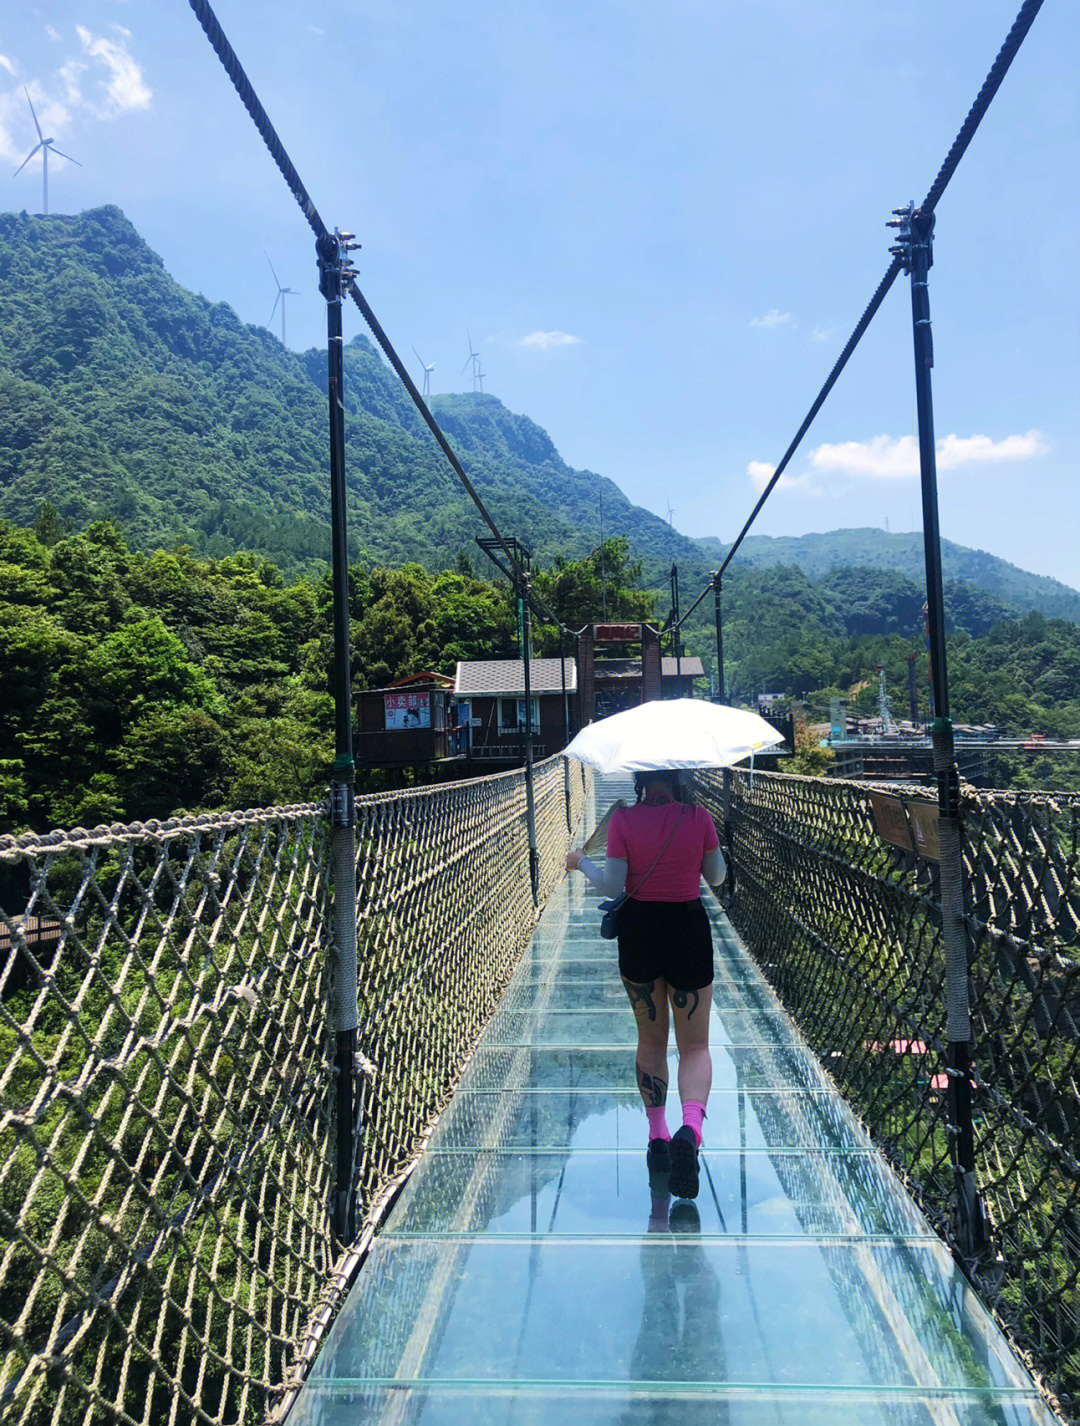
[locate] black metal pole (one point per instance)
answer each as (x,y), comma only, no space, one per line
(717,584)
(525,616)
(678,629)
(333,276)
(566,725)
(915,249)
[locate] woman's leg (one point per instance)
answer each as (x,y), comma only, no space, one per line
(691,1010)
(649,1001)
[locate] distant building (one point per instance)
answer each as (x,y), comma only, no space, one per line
(619,681)
(490,698)
(411,721)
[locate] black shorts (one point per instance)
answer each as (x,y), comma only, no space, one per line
(666,940)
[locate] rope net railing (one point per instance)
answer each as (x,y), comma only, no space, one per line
(847,927)
(167,1135)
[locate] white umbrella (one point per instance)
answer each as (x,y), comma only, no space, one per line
(673,733)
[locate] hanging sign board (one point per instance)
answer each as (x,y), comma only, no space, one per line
(407,710)
(891,820)
(617,633)
(912,826)
(924,827)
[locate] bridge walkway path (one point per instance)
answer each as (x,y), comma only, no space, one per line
(529,1273)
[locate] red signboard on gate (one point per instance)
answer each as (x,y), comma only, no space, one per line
(617,633)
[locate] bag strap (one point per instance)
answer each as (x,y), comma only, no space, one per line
(660,853)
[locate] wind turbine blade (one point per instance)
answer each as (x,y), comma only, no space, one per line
(273,309)
(266,255)
(467,360)
(419,358)
(26,160)
(56,151)
(37,126)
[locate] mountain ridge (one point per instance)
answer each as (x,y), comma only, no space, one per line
(122,393)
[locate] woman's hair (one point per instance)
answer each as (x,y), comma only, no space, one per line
(669,775)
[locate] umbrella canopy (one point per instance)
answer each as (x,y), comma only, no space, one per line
(673,733)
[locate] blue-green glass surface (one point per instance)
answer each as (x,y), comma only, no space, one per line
(534,1271)
(607,1119)
(667,1307)
(485,1404)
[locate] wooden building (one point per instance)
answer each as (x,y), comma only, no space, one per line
(411,721)
(490,699)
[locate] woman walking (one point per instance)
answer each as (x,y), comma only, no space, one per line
(658,851)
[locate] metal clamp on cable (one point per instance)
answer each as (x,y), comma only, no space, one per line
(336,272)
(342,804)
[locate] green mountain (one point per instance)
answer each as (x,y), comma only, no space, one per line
(123,394)
(818,555)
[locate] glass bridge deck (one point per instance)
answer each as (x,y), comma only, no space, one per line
(529,1273)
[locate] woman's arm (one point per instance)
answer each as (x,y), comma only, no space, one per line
(713,867)
(611,881)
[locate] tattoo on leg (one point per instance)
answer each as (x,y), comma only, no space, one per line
(653,1088)
(681,998)
(642,994)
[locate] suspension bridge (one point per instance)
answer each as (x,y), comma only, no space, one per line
(322,1113)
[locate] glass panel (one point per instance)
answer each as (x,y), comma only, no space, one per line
(484,1404)
(594,1193)
(602,1119)
(605,990)
(667,1308)
(617,1027)
(744,1067)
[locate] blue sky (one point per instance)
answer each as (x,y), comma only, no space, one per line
(659,224)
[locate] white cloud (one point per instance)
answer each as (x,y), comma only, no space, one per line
(124,85)
(956,451)
(822,334)
(886,458)
(544,341)
(53,34)
(772,318)
(102,81)
(761,472)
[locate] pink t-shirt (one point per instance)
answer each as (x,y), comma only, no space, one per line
(636,835)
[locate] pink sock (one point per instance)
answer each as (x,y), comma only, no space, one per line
(658,1128)
(693,1114)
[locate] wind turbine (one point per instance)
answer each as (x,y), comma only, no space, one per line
(282,293)
(474,357)
(45,145)
(427,373)
(670,512)
(480,375)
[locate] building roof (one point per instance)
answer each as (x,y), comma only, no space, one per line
(496,677)
(425,677)
(631,668)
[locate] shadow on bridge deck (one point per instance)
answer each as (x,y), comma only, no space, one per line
(529,1274)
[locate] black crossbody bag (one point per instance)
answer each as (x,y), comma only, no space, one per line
(609,926)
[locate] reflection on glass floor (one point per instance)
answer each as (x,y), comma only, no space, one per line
(531,1273)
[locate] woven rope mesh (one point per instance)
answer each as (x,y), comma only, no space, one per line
(848,929)
(166,1090)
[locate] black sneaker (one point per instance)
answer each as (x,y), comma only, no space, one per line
(684,1163)
(658,1156)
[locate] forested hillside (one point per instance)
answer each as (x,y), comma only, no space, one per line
(123,395)
(139,685)
(903,554)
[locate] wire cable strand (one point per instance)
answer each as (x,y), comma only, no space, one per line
(234,69)
(998,70)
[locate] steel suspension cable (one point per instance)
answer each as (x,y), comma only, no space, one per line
(243,86)
(1005,56)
